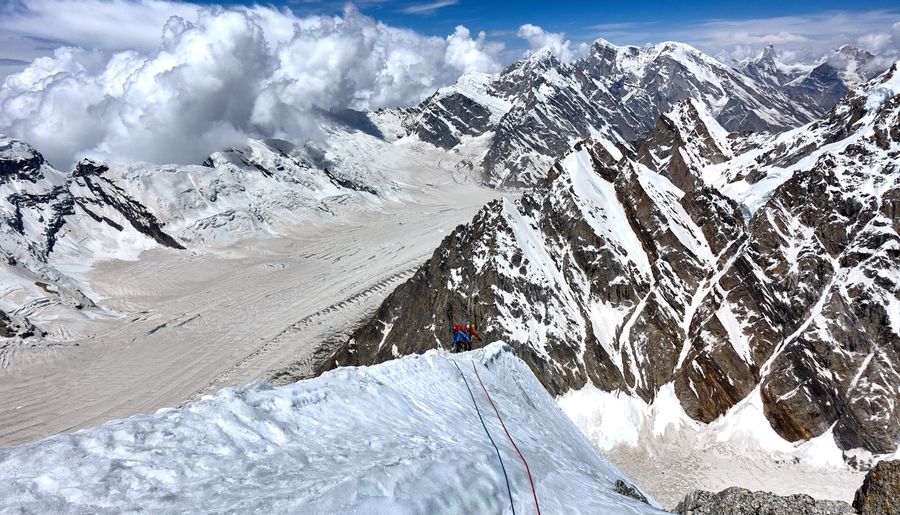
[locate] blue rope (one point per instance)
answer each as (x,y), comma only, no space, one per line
(508,489)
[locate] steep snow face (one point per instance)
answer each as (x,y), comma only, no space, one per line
(536,109)
(401,437)
(34,201)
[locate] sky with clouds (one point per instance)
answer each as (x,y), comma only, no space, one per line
(171,81)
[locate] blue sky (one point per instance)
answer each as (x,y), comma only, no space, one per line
(804,26)
(803,30)
(578,17)
(626,22)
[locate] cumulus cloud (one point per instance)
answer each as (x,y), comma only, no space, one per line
(466,54)
(538,39)
(220,75)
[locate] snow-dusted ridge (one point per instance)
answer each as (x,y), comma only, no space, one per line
(400,437)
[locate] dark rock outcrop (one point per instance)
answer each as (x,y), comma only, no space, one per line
(623,488)
(104,193)
(880,492)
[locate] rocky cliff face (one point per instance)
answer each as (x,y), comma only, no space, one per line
(533,112)
(688,259)
(880,491)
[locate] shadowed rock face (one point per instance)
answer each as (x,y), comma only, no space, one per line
(443,120)
(106,194)
(611,273)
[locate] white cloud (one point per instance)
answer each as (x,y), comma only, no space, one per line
(466,54)
(556,42)
(96,24)
(218,76)
(428,8)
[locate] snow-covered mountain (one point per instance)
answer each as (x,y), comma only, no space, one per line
(402,437)
(818,85)
(721,265)
(533,111)
(54,225)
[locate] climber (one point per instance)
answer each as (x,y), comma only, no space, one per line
(470,330)
(461,338)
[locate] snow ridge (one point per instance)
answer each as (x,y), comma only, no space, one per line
(298,448)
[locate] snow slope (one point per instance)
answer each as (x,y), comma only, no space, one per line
(401,437)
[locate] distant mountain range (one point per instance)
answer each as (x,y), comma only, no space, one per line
(533,111)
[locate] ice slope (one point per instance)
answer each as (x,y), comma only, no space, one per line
(400,437)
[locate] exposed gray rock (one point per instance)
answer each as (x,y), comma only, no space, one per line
(621,487)
(740,501)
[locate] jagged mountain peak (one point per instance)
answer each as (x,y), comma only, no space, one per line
(622,273)
(852,52)
(20,161)
(532,112)
(768,53)
(543,58)
(685,140)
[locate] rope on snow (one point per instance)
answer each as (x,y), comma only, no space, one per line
(503,467)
